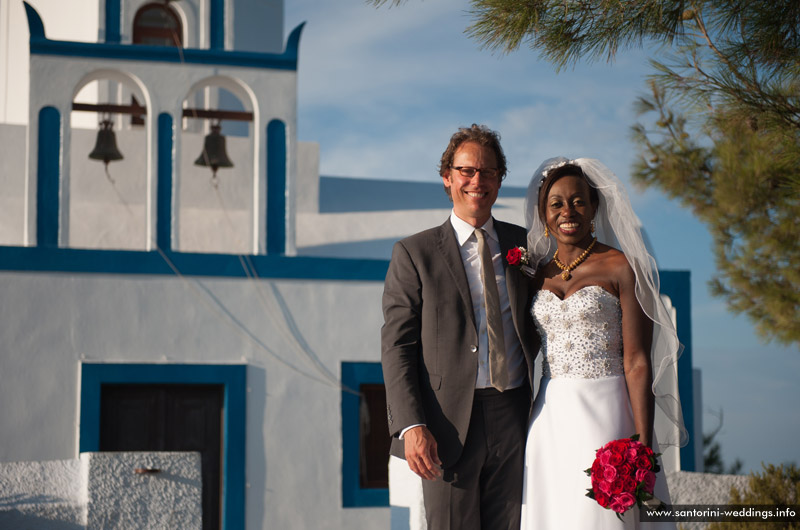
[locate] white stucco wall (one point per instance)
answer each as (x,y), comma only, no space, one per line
(102,491)
(293,439)
(119,498)
(44,495)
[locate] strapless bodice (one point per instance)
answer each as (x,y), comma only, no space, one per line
(581,335)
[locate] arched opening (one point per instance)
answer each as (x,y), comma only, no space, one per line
(107,196)
(157,25)
(215,204)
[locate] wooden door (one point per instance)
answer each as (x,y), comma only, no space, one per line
(165,417)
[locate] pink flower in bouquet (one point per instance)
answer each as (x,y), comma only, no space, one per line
(620,503)
(648,478)
(602,486)
(609,473)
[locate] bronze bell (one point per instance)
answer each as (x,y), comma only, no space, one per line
(106,147)
(214,154)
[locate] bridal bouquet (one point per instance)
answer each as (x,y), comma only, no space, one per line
(623,474)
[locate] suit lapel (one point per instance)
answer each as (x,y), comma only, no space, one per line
(448,248)
(512,275)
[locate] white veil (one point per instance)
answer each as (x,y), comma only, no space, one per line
(617,225)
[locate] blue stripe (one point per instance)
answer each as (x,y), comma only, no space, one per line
(47,187)
(677,285)
(166,132)
(166,54)
(217,24)
(276,187)
(113,16)
(37,259)
(234,379)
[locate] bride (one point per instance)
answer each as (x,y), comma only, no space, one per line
(610,348)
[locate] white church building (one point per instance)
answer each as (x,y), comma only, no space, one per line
(167,295)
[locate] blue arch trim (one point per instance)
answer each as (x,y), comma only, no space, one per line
(276,187)
(166,132)
(353,495)
(113,17)
(677,285)
(234,380)
(48,177)
(40,45)
(217,25)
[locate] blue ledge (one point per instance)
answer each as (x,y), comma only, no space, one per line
(41,45)
(39,259)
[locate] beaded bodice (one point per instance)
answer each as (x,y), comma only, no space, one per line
(581,335)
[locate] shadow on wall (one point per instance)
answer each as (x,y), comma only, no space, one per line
(45,518)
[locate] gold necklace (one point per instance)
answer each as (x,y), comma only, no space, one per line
(567,268)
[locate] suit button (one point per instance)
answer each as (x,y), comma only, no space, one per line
(473,348)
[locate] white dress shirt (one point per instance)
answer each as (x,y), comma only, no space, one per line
(468,246)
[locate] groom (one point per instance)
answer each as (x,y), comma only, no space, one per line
(458,345)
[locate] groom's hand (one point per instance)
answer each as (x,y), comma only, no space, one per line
(421,453)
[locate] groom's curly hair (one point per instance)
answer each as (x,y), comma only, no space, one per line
(481,135)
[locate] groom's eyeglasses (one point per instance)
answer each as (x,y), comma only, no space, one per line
(469,172)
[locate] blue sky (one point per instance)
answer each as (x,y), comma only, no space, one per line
(382,90)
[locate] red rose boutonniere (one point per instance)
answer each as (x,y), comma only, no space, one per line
(623,474)
(517,256)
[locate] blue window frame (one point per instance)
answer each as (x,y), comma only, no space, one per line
(234,380)
(354,495)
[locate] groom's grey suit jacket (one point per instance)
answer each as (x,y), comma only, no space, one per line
(429,339)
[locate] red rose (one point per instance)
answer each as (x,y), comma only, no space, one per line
(628,484)
(602,499)
(617,487)
(626,470)
(644,462)
(616,459)
(618,446)
(514,256)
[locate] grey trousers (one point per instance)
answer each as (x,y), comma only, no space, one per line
(483,489)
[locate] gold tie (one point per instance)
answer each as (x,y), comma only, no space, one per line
(498,372)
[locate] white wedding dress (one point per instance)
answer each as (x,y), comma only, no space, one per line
(582,404)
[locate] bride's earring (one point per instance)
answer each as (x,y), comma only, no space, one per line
(593,229)
(546,233)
